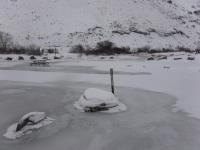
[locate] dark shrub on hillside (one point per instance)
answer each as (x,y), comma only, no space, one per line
(145,49)
(17,49)
(34,51)
(184,49)
(153,51)
(167,50)
(197,51)
(102,48)
(77,49)
(121,50)
(89,51)
(148,49)
(51,51)
(2,50)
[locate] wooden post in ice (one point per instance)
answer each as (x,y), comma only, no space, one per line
(112,81)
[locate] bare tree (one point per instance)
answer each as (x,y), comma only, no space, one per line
(5,40)
(34,50)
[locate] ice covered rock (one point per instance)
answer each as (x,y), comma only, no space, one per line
(30,119)
(94,100)
(27,124)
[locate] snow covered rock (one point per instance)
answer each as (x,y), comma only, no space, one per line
(95,100)
(29,122)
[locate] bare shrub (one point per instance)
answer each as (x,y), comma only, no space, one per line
(145,49)
(5,40)
(33,50)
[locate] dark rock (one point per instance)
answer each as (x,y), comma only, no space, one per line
(32,57)
(45,58)
(150,58)
(178,58)
(121,32)
(9,58)
(56,57)
(169,1)
(197,12)
(20,58)
(191,58)
(162,57)
(101,107)
(22,124)
(30,119)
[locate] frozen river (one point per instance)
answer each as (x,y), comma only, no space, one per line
(157,96)
(148,123)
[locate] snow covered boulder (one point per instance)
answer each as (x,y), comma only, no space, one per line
(95,100)
(29,122)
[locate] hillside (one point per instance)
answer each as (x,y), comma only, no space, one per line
(134,23)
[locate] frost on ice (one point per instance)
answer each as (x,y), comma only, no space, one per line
(29,122)
(95,100)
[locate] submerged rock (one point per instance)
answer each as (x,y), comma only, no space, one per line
(191,58)
(95,100)
(27,124)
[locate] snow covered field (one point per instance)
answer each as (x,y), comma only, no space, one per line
(153,101)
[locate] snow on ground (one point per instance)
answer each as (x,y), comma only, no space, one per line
(179,78)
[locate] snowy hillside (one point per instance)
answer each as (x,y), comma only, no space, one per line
(134,23)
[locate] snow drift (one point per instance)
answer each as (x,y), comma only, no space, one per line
(27,124)
(95,100)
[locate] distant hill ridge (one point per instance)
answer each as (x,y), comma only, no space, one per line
(134,23)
